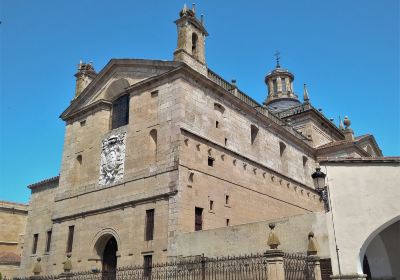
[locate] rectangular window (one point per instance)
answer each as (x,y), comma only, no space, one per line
(211,205)
(226,199)
(48,242)
(283,84)
(275,85)
(120,111)
(147,265)
(210,161)
(70,240)
(226,141)
(149,225)
(227,222)
(35,242)
(198,220)
(216,124)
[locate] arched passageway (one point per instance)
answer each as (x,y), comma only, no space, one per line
(382,255)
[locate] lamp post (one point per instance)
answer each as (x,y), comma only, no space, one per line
(319,183)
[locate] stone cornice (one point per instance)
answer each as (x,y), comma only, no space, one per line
(377,160)
(122,205)
(91,108)
(13,207)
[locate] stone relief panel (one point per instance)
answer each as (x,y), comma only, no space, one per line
(112,159)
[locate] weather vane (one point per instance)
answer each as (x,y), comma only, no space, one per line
(277,55)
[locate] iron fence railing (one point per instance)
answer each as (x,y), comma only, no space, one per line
(298,267)
(246,267)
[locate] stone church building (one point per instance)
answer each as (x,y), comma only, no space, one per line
(156,148)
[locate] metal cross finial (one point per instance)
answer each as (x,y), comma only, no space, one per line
(277,55)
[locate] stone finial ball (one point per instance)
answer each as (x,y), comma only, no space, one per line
(39,259)
(271,226)
(346,121)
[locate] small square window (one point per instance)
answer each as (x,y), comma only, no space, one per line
(83,123)
(211,161)
(154,93)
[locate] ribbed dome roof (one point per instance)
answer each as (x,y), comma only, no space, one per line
(282,104)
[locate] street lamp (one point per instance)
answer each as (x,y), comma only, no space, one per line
(319,183)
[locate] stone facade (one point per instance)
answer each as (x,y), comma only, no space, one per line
(190,141)
(13,218)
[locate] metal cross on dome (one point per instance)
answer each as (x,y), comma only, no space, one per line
(278,57)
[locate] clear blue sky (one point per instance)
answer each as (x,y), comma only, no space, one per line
(346,51)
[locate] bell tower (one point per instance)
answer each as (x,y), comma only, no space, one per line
(191,40)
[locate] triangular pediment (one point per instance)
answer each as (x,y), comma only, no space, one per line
(114,78)
(363,146)
(369,145)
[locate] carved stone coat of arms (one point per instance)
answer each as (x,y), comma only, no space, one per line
(112,159)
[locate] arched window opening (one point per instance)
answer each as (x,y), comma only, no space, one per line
(194,44)
(219,108)
(79,160)
(120,112)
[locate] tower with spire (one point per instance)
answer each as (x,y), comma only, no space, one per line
(191,40)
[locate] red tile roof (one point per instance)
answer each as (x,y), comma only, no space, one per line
(43,182)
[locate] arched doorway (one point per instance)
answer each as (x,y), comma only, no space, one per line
(109,259)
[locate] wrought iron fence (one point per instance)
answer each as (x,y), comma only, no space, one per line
(298,267)
(41,277)
(248,267)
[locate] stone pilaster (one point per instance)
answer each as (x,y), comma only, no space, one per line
(275,264)
(315,265)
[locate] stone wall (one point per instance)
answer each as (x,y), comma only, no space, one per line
(252,238)
(13,217)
